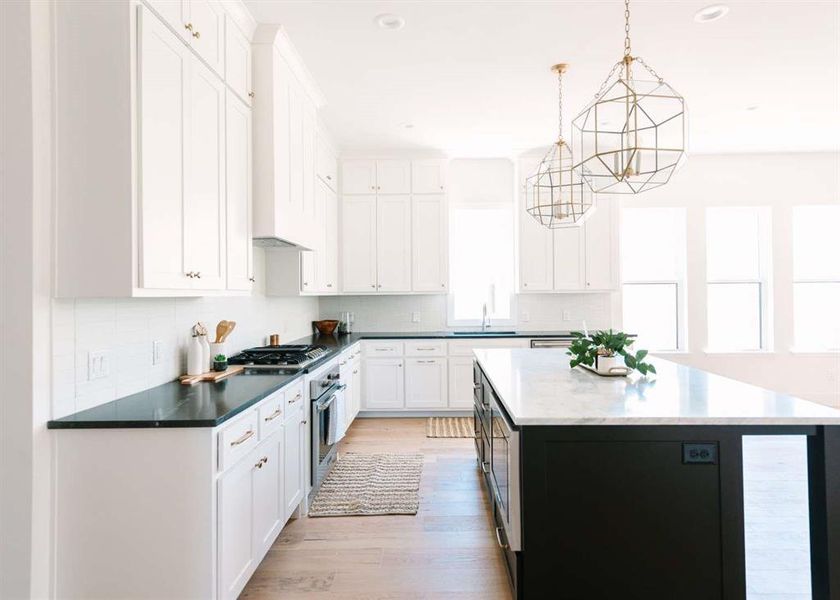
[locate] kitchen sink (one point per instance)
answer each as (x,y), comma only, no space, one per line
(490,333)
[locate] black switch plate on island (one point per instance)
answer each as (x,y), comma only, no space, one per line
(700,453)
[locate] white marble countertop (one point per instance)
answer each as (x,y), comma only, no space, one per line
(537,387)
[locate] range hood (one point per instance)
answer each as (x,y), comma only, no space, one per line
(276,242)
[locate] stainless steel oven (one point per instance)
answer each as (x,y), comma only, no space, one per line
(324,392)
(504,470)
(561,342)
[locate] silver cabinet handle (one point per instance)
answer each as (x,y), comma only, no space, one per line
(476,386)
(273,415)
(251,279)
(426,349)
(295,399)
(329,177)
(484,466)
(245,437)
(342,363)
(499,538)
(198,274)
(355,371)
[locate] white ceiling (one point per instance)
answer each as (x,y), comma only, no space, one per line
(473,77)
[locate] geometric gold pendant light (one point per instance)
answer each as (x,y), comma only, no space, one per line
(631,137)
(555,195)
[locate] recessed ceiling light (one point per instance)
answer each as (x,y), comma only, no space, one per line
(711,13)
(389,21)
(752,107)
(409,126)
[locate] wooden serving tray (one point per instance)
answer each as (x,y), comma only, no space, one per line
(212,375)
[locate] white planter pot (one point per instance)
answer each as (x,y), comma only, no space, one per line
(611,365)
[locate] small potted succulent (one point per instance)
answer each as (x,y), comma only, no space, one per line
(607,353)
(220,362)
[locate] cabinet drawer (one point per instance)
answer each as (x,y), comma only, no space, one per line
(382,349)
(237,439)
(271,412)
(425,348)
(466,347)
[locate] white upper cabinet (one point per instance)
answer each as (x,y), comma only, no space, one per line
(238,61)
(358,176)
(393,177)
(535,248)
(429,248)
(358,250)
(206,21)
(428,176)
(204,198)
(240,267)
(601,245)
(163,91)
(393,243)
(569,259)
(154,187)
(326,165)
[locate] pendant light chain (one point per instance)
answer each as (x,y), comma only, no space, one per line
(559,104)
(626,28)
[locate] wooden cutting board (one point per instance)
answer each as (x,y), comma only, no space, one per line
(212,375)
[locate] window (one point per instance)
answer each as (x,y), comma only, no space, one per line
(653,276)
(737,278)
(816,277)
(482,264)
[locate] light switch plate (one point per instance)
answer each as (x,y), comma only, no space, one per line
(415,317)
(525,316)
(567,316)
(99,365)
(157,352)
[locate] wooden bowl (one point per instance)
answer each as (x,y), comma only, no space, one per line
(326,327)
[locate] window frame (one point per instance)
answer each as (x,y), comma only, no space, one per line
(451,321)
(680,283)
(795,347)
(764,281)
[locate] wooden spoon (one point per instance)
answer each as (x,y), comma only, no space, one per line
(228,330)
(221,328)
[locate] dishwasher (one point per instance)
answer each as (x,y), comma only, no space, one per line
(560,342)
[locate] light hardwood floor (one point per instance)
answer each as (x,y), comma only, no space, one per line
(448,550)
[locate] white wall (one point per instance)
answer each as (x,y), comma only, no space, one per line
(126,328)
(394,313)
(779,181)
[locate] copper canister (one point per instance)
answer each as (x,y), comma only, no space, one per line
(274,340)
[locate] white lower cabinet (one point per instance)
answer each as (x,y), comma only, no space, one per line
(294,474)
(384,383)
(461,382)
(426,379)
(269,499)
(236,534)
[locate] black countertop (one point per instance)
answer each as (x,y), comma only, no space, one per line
(210,404)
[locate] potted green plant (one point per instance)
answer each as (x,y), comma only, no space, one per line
(220,362)
(607,353)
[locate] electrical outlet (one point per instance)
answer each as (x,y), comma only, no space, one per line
(567,316)
(525,317)
(99,365)
(157,352)
(415,317)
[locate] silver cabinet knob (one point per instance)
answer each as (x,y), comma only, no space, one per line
(251,279)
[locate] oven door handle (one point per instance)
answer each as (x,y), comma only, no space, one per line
(324,404)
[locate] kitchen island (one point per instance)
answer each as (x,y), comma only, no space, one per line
(628,488)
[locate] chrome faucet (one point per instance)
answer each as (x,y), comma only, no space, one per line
(485,319)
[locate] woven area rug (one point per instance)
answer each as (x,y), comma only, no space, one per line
(450,427)
(370,484)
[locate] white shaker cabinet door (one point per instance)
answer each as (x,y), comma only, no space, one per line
(358,177)
(429,251)
(238,61)
(569,259)
(384,383)
(393,177)
(535,255)
(207,18)
(461,382)
(269,501)
(428,177)
(426,385)
(162,89)
(393,243)
(308,271)
(358,243)
(175,13)
(204,210)
(331,245)
(601,239)
(240,270)
(293,459)
(236,543)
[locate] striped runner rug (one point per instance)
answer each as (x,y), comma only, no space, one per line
(450,427)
